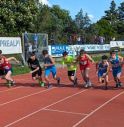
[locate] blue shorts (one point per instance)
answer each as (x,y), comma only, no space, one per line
(49,70)
(116,72)
(100,73)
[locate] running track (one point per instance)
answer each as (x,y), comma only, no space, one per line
(26,106)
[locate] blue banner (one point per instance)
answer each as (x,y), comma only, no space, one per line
(57,50)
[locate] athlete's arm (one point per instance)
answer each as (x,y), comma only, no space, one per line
(35,70)
(108,68)
(110,64)
(89,57)
(13,58)
(77,59)
(29,65)
(121,59)
(97,67)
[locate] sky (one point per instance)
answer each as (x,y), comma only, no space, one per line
(94,8)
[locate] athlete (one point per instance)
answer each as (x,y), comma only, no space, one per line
(36,70)
(102,68)
(84,62)
(7,68)
(49,65)
(116,65)
(2,73)
(71,66)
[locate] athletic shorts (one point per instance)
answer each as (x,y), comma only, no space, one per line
(71,73)
(7,70)
(100,73)
(49,70)
(39,73)
(116,72)
(82,67)
(2,72)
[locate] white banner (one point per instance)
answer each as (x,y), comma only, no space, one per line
(91,48)
(119,44)
(10,45)
(57,50)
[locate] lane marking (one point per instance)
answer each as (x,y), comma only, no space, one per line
(26,96)
(11,89)
(20,97)
(74,113)
(33,113)
(103,105)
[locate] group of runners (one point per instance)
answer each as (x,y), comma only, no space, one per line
(112,63)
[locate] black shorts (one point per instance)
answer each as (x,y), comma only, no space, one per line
(2,72)
(39,73)
(71,73)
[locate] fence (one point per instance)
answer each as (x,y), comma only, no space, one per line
(34,42)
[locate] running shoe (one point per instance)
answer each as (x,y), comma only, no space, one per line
(49,86)
(120,84)
(75,82)
(117,85)
(58,81)
(89,84)
(9,84)
(42,84)
(12,83)
(86,85)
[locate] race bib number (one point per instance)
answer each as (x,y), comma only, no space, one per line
(83,63)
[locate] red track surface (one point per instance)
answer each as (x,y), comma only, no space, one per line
(25,106)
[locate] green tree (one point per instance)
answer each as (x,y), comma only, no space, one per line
(7,17)
(120,25)
(82,20)
(111,14)
(17,16)
(121,11)
(105,29)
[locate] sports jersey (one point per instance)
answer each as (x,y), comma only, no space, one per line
(1,66)
(33,64)
(84,62)
(5,65)
(115,63)
(51,68)
(69,62)
(103,67)
(47,60)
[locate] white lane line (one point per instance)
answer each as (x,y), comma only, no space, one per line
(90,114)
(26,96)
(33,113)
(11,89)
(66,112)
(20,97)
